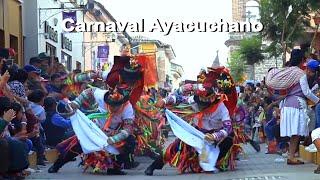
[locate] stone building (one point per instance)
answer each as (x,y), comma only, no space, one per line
(248,10)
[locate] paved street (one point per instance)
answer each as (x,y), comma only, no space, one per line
(251,166)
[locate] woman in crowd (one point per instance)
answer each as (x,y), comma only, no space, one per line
(293,120)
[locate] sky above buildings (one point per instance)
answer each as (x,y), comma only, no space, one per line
(194,50)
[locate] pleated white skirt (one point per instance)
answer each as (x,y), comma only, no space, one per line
(293,121)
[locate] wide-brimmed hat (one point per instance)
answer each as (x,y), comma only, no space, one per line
(117,96)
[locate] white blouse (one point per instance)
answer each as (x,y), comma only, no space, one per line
(306,90)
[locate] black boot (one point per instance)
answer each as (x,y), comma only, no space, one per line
(157,164)
(255,145)
(129,162)
(115,172)
(57,165)
(131,165)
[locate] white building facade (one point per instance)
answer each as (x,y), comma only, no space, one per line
(43,32)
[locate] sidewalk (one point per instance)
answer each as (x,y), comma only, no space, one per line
(252,166)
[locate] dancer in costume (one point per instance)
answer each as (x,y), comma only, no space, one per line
(119,127)
(149,122)
(211,116)
(123,80)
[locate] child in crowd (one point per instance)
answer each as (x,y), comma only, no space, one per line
(57,128)
(270,131)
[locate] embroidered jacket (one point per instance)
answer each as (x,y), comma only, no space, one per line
(219,120)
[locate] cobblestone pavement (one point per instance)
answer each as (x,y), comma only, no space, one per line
(251,166)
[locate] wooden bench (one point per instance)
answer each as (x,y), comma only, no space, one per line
(51,155)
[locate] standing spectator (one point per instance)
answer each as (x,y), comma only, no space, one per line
(293,121)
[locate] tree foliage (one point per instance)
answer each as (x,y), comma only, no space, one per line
(250,50)
(237,66)
(284,30)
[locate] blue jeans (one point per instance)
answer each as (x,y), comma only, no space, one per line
(269,129)
(317,110)
(29,144)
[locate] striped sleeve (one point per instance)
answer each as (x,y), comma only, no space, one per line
(85,98)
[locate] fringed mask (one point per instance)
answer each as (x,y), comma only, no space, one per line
(225,83)
(117,96)
(206,96)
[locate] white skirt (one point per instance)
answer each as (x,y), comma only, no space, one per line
(293,121)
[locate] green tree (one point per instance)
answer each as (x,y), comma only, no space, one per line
(251,51)
(237,66)
(285,22)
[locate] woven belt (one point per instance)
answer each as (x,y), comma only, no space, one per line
(279,92)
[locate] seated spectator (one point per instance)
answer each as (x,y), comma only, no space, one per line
(270,131)
(35,61)
(34,81)
(57,128)
(17,127)
(17,81)
(36,99)
(61,69)
(55,83)
(15,157)
(315,135)
(3,84)
(45,61)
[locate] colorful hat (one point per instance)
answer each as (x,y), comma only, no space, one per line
(224,83)
(30,68)
(217,83)
(117,96)
(206,97)
(119,63)
(131,72)
(313,64)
